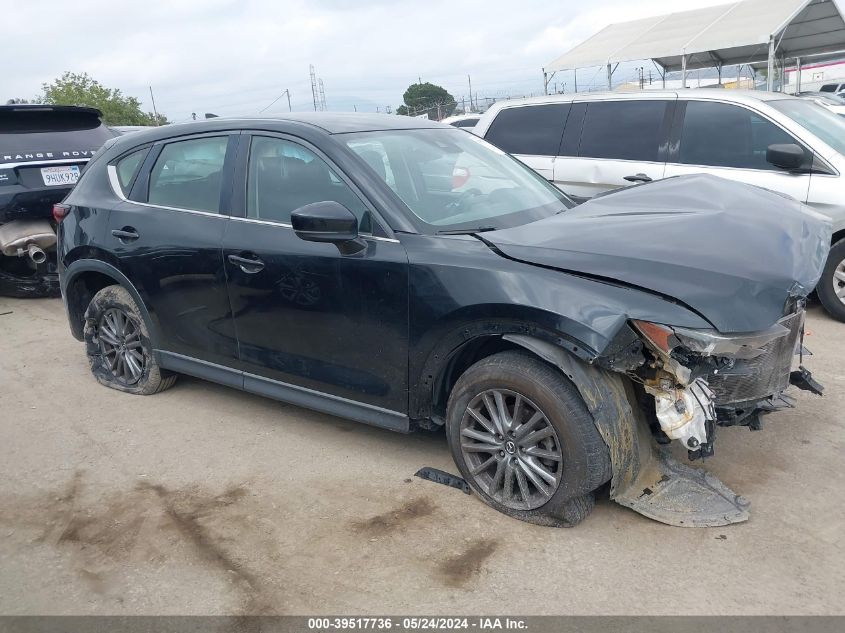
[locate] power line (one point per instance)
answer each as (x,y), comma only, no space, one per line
(286,92)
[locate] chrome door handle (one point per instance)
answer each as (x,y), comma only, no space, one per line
(126,234)
(249,266)
(637,178)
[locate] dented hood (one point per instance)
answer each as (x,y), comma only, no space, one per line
(732,252)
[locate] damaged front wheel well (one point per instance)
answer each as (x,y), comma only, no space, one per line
(462,359)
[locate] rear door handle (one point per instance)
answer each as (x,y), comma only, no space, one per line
(126,234)
(248,265)
(637,178)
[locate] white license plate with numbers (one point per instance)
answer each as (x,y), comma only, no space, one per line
(65,175)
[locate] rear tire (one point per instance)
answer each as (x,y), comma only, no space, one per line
(118,346)
(553,478)
(831,287)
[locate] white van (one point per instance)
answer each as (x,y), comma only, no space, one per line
(591,143)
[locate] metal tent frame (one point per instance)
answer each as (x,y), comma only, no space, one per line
(754,32)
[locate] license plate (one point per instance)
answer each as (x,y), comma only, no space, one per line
(57,176)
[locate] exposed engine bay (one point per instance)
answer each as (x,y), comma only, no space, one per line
(700,379)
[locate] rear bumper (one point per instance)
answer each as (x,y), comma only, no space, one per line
(19,202)
(37,285)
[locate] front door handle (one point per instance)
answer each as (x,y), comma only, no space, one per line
(248,265)
(637,178)
(126,234)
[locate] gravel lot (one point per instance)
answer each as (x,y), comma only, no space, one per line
(204,500)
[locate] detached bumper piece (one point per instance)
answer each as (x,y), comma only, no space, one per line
(803,379)
(670,492)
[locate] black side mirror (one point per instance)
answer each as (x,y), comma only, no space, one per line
(785,156)
(324,222)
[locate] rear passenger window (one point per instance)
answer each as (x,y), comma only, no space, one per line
(623,130)
(533,130)
(188,174)
(284,176)
(724,135)
(128,166)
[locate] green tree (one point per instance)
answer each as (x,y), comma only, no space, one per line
(83,90)
(427,97)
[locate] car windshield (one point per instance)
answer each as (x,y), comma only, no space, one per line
(828,126)
(452,180)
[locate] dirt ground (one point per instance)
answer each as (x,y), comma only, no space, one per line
(205,500)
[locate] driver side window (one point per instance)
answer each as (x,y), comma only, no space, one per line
(283,176)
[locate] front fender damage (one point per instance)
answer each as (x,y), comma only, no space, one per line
(645,477)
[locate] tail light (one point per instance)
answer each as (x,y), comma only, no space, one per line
(60,211)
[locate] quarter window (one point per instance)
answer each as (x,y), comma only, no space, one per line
(623,130)
(724,135)
(532,130)
(127,167)
(188,174)
(284,176)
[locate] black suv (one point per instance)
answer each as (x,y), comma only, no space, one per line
(43,149)
(406,274)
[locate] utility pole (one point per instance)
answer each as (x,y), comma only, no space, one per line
(469,79)
(313,86)
(288,94)
(155,112)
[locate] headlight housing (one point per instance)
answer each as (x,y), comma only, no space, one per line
(710,342)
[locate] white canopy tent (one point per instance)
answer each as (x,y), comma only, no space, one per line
(745,32)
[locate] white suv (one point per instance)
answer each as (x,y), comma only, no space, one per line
(591,143)
(837,88)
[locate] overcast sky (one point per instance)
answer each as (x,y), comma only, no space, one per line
(236,56)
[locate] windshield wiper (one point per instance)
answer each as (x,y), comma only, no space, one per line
(480,229)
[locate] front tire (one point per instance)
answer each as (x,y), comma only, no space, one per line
(522,437)
(831,287)
(117,343)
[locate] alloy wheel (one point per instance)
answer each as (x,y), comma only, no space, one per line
(511,449)
(120,343)
(839,281)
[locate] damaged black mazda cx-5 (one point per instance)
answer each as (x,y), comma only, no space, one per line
(407,275)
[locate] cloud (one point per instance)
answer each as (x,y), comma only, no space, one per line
(236,56)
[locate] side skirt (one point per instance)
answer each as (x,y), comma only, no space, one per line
(284,392)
